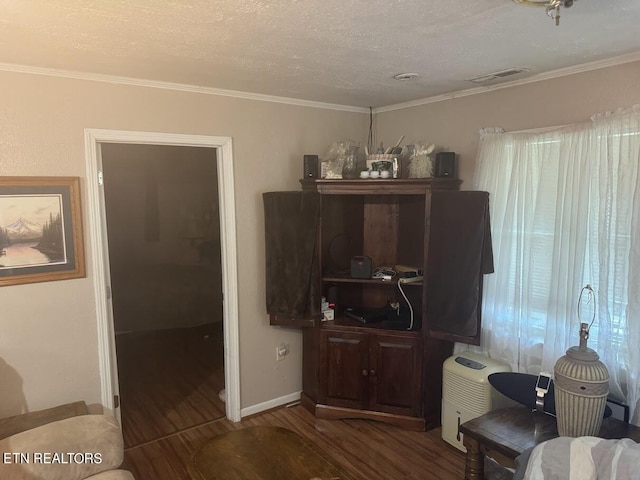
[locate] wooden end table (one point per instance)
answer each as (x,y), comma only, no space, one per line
(506,433)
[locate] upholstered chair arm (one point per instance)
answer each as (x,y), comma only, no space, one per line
(71,449)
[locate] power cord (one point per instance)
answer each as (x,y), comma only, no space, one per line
(404,295)
(370,140)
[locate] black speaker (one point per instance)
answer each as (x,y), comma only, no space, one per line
(361,267)
(446,164)
(311,166)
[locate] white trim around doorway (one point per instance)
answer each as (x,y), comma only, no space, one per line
(94,219)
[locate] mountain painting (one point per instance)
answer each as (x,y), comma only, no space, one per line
(31,231)
(41,236)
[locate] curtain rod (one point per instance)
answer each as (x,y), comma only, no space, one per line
(540,129)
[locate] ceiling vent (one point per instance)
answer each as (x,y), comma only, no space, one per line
(495,77)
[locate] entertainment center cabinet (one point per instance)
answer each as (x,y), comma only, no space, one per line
(370,371)
(389,369)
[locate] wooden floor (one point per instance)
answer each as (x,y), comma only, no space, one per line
(366,449)
(169,384)
(169,381)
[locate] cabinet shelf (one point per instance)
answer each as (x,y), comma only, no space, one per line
(347,323)
(376,281)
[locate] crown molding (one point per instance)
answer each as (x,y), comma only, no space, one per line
(561,72)
(139,82)
(95,77)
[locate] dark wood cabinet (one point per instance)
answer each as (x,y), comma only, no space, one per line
(390,370)
(395,374)
(377,371)
(344,369)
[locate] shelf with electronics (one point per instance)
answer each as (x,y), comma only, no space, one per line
(388,366)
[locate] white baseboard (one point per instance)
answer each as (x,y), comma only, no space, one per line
(276,402)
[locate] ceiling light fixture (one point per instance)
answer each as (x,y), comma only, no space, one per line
(406,76)
(552,7)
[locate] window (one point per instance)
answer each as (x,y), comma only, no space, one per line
(565,212)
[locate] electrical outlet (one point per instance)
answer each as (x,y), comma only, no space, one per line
(281,351)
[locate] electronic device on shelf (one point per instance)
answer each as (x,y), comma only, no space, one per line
(361,267)
(368,315)
(383,273)
(407,271)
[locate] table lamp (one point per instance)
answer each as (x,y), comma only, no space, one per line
(581,386)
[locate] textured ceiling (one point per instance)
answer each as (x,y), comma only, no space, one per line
(333,51)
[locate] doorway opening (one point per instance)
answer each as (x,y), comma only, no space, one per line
(198,247)
(163,228)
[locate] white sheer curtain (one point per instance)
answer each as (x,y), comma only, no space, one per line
(565,212)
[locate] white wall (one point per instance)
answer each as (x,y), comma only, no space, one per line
(48,330)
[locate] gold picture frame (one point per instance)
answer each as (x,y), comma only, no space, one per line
(41,238)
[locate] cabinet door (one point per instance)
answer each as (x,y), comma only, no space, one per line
(459,254)
(395,375)
(292,279)
(344,369)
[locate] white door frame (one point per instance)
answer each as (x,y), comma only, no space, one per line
(100,255)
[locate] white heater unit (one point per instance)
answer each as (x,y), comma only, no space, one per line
(467,393)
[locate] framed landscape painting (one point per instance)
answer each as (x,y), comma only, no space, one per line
(40,230)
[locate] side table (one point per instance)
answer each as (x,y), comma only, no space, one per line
(505,433)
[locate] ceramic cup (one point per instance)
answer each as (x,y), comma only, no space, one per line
(374,174)
(385,174)
(364,174)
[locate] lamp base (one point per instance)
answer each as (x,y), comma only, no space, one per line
(581,389)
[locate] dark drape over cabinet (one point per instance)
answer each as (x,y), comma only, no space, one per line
(291,222)
(459,254)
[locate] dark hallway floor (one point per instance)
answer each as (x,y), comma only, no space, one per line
(169,381)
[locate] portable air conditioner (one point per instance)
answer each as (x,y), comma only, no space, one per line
(467,393)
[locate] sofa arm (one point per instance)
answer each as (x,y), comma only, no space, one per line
(70,449)
(27,421)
